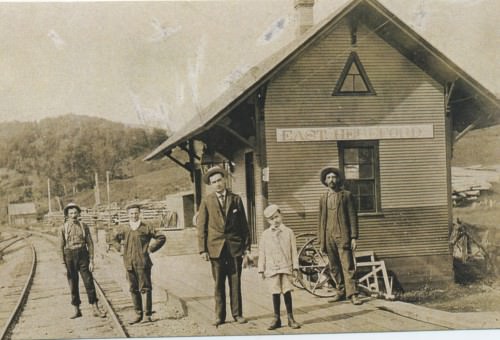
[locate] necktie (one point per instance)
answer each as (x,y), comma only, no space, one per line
(222,201)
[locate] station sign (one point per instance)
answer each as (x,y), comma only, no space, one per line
(389,131)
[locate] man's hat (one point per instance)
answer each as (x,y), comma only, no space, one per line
(271,210)
(132,206)
(328,170)
(212,171)
(71,206)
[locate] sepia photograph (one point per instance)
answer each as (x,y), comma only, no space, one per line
(266,168)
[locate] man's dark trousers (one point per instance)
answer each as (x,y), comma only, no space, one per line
(227,266)
(342,266)
(139,280)
(77,261)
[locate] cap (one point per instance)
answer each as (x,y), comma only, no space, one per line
(212,171)
(271,210)
(71,206)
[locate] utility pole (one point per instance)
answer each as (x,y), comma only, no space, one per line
(107,186)
(97,194)
(48,190)
(107,190)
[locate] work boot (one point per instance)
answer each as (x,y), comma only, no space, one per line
(276,323)
(240,320)
(98,312)
(136,319)
(336,298)
(136,300)
(77,313)
(355,300)
(147,318)
(292,323)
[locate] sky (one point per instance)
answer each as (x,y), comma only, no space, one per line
(159,63)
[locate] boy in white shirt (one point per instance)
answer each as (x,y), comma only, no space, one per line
(278,262)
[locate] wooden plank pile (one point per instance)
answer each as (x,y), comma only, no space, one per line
(469,182)
(155,212)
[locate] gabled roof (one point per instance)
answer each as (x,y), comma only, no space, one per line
(22,208)
(376,16)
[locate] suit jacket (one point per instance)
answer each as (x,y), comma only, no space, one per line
(348,219)
(137,247)
(216,227)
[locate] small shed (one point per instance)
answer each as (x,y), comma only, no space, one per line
(361,91)
(22,213)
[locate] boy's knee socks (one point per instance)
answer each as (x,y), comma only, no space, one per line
(288,302)
(276,304)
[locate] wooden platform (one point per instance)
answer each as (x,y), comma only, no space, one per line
(188,279)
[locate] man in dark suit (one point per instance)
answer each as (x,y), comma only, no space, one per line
(223,238)
(337,233)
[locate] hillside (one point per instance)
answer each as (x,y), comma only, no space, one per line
(70,150)
(478,147)
(153,181)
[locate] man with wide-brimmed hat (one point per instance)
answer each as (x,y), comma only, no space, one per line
(223,238)
(77,255)
(337,233)
(140,240)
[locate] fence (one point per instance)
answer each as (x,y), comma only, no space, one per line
(160,217)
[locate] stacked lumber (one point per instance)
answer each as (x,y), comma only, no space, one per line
(469,182)
(155,212)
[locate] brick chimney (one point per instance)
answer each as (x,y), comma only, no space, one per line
(303,16)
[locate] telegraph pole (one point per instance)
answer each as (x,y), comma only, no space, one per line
(107,186)
(97,194)
(48,190)
(107,190)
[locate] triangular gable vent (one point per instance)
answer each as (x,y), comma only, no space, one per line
(353,81)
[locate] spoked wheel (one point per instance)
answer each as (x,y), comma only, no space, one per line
(314,268)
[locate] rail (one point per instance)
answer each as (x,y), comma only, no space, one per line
(22,298)
(119,326)
(105,301)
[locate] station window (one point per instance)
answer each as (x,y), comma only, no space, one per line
(359,162)
(353,79)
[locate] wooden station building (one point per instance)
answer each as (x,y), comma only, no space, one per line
(361,91)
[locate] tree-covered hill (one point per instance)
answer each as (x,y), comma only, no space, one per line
(69,150)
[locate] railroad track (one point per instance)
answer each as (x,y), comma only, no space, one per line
(18,276)
(36,301)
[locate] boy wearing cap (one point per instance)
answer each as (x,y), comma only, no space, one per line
(77,255)
(278,261)
(223,238)
(338,232)
(136,249)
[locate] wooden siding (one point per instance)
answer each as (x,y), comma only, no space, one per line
(399,232)
(433,271)
(413,173)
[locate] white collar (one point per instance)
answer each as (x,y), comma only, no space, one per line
(278,228)
(135,225)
